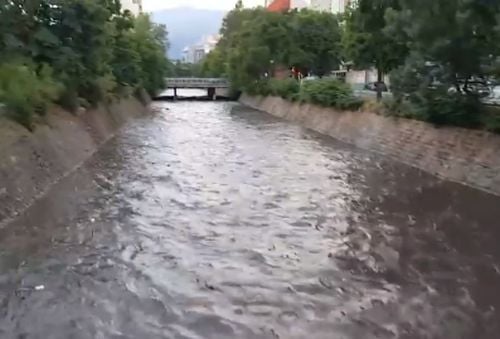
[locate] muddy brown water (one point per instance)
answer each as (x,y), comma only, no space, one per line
(212,220)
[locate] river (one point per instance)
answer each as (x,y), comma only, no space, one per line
(212,220)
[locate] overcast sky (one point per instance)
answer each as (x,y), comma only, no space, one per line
(152,5)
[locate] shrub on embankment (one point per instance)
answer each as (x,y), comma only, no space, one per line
(75,53)
(325,92)
(440,78)
(25,91)
(447,109)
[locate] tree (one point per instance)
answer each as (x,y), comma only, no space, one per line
(315,41)
(76,52)
(467,37)
(214,64)
(238,54)
(365,41)
(231,28)
(151,44)
(254,42)
(185,70)
(126,58)
(446,73)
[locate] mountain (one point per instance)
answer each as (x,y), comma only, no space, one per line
(187,26)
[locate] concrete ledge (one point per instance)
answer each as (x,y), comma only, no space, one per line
(469,157)
(30,163)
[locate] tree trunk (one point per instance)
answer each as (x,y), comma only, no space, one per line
(380,79)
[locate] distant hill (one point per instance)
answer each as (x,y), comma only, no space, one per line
(186,26)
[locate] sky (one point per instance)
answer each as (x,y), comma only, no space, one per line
(153,5)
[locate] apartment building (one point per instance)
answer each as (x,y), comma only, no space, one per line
(339,6)
(134,6)
(196,53)
(333,6)
(286,5)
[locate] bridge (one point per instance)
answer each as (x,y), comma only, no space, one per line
(210,84)
(197,83)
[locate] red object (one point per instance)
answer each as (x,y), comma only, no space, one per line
(279,6)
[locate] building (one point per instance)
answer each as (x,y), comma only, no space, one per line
(339,6)
(299,4)
(196,53)
(321,5)
(134,6)
(193,54)
(333,6)
(279,6)
(286,5)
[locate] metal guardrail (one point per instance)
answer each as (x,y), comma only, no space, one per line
(197,83)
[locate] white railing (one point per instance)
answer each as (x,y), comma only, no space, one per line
(196,82)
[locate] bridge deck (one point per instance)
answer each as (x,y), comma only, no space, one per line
(197,83)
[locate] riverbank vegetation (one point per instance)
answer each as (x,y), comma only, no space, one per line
(442,56)
(327,92)
(180,69)
(75,53)
(256,42)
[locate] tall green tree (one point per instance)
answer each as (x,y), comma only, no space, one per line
(75,52)
(214,64)
(466,45)
(315,44)
(454,53)
(255,42)
(151,44)
(365,41)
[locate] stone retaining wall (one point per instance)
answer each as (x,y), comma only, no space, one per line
(469,157)
(30,162)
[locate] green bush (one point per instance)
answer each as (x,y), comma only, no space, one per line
(259,87)
(142,95)
(442,108)
(490,119)
(287,88)
(330,93)
(397,108)
(26,92)
(428,92)
(100,89)
(69,99)
(439,106)
(324,92)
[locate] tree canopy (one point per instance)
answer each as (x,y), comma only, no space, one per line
(366,43)
(443,55)
(255,42)
(87,50)
(453,58)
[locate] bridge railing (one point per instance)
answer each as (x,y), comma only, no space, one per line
(197,82)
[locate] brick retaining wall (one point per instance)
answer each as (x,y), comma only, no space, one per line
(30,163)
(469,157)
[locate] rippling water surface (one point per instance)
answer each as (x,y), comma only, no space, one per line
(211,220)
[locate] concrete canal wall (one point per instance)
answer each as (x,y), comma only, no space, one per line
(30,162)
(466,156)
